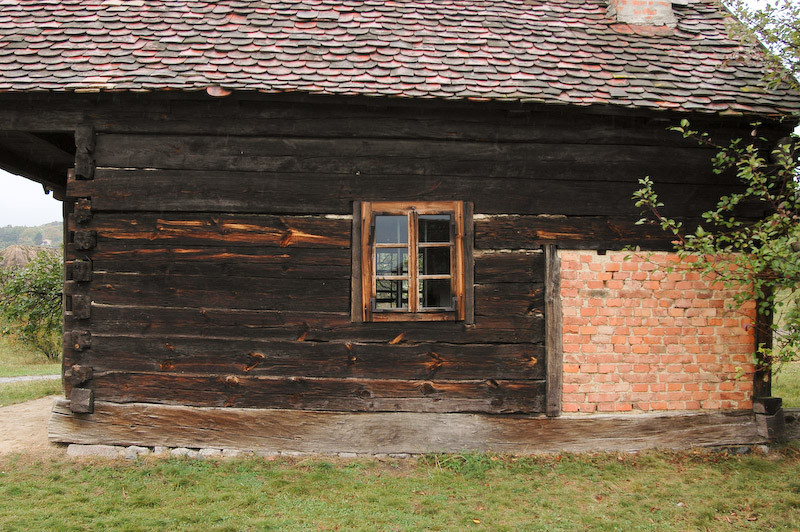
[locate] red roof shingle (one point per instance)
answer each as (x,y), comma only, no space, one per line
(549,51)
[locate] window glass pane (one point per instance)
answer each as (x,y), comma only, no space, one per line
(435,293)
(434,228)
(391,294)
(391,229)
(391,261)
(434,261)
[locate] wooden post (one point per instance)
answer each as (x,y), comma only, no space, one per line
(469,266)
(552,316)
(762,384)
(356,312)
(84,152)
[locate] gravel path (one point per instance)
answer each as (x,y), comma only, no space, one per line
(5,380)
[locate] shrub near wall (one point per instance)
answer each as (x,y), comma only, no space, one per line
(637,338)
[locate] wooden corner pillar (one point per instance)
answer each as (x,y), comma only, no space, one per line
(80,242)
(553,341)
(762,379)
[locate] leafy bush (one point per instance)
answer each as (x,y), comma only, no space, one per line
(760,257)
(30,303)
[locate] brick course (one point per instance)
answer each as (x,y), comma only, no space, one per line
(637,338)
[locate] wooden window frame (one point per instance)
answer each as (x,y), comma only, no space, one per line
(364,275)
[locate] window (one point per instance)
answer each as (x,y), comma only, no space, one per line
(412,261)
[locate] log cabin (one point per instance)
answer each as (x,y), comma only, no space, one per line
(386,227)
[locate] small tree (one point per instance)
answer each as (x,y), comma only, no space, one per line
(771,31)
(30,303)
(761,257)
(758,257)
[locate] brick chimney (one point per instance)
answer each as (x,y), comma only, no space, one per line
(643,12)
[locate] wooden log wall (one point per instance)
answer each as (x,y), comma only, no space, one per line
(209,253)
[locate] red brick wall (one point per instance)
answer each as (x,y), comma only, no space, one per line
(639,339)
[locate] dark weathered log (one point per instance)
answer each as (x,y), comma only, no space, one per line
(325,295)
(200,229)
(553,339)
(297,115)
(509,267)
(509,299)
(398,157)
(308,325)
(307,263)
(570,232)
(535,191)
(398,432)
(352,395)
(276,358)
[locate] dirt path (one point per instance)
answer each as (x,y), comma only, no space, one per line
(23,428)
(5,380)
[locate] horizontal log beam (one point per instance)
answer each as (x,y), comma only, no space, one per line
(369,433)
(307,393)
(201,229)
(309,326)
(536,191)
(344,359)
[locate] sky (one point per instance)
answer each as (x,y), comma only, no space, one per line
(23,202)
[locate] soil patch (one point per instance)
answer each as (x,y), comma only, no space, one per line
(23,428)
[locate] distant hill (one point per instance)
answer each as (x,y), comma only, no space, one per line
(49,235)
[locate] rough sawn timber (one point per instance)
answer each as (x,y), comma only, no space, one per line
(396,432)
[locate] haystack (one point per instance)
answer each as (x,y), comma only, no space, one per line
(16,256)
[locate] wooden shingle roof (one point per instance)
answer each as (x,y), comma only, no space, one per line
(548,51)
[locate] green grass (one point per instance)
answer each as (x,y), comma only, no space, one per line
(19,392)
(786,384)
(16,360)
(605,492)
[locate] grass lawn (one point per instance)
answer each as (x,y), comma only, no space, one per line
(628,492)
(786,384)
(19,392)
(16,360)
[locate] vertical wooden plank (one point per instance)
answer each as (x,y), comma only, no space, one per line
(84,152)
(367,273)
(469,264)
(552,315)
(413,252)
(356,296)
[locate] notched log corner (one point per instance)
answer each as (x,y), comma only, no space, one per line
(79,340)
(83,210)
(81,271)
(78,375)
(81,307)
(85,240)
(81,401)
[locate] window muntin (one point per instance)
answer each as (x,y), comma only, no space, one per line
(412,261)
